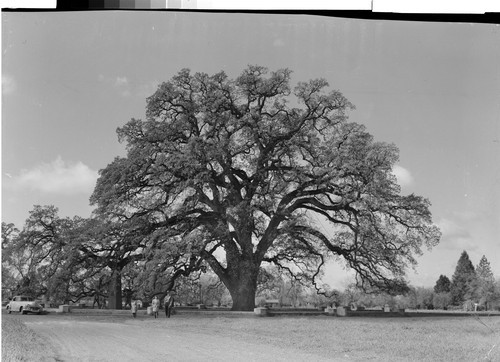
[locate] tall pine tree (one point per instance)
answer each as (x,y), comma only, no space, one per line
(463,280)
(485,282)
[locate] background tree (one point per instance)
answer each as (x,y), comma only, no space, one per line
(312,299)
(65,259)
(269,283)
(441,300)
(163,260)
(51,258)
(485,282)
(36,255)
(443,284)
(9,278)
(424,298)
(287,289)
(495,300)
(462,283)
(442,297)
(190,290)
(110,245)
(244,173)
(352,294)
(214,291)
(9,233)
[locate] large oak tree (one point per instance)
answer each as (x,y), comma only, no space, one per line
(249,170)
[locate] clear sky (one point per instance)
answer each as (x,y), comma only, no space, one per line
(70,79)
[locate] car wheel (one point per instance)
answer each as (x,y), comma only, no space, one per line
(8,309)
(21,310)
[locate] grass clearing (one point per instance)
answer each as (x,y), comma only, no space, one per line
(361,338)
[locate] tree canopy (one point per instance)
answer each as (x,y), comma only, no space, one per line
(240,172)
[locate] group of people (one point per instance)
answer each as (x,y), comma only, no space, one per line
(168,304)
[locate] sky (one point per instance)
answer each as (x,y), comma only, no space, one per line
(433,89)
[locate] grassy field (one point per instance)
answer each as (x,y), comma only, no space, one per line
(414,338)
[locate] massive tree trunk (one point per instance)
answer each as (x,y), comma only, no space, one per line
(243,291)
(239,277)
(241,281)
(115,290)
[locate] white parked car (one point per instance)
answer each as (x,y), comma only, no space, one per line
(23,305)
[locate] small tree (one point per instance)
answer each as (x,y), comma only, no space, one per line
(443,285)
(462,285)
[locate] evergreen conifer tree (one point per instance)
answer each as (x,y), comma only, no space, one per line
(463,280)
(443,284)
(485,282)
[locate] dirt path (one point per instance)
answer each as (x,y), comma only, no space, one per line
(146,339)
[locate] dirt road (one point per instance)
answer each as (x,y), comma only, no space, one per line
(98,338)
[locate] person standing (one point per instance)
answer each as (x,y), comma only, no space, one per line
(169,304)
(133,308)
(155,304)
